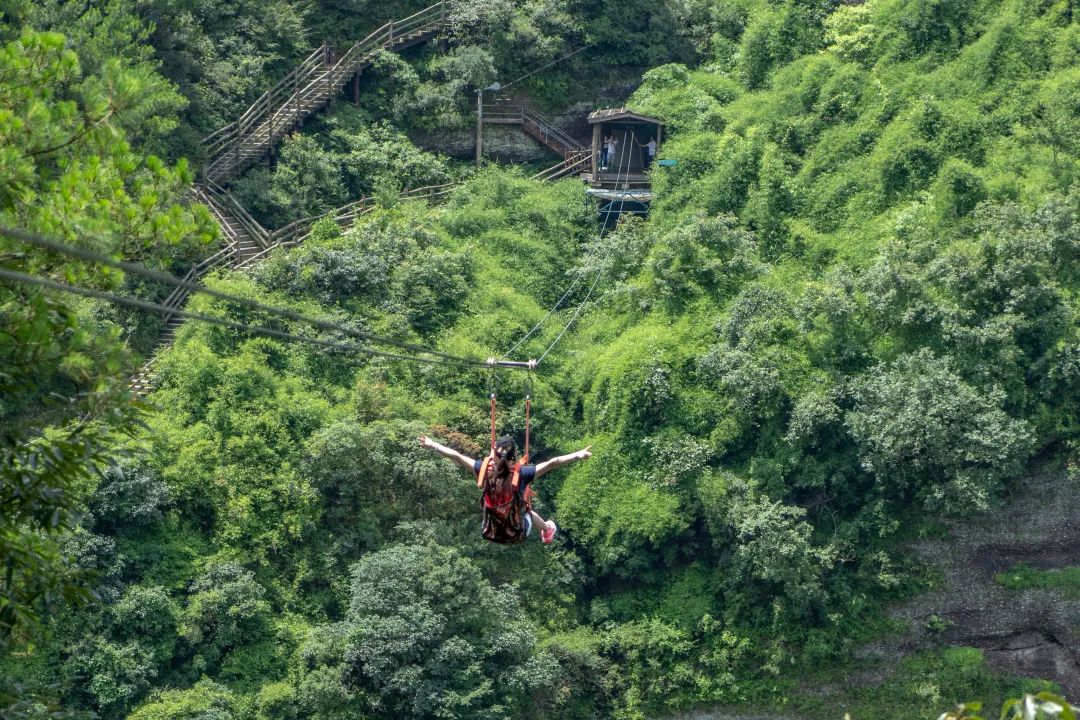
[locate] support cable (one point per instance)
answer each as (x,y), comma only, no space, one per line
(599,271)
(556,61)
(25,279)
(135,269)
(537,325)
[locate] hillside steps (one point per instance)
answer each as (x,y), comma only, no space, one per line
(248,243)
(309,87)
(242,236)
(241,231)
(574,163)
(305,90)
(508,111)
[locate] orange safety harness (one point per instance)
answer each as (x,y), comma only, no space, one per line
(516,477)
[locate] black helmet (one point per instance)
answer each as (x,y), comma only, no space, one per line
(506,442)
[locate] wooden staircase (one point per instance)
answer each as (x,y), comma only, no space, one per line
(504,111)
(308,88)
(574,163)
(241,231)
(305,90)
(247,242)
(144,380)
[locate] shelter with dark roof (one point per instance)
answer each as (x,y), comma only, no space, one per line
(624,170)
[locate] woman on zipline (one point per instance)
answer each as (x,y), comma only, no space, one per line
(508,513)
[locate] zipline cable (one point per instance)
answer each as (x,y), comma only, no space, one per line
(556,61)
(572,319)
(550,313)
(136,269)
(23,278)
(603,232)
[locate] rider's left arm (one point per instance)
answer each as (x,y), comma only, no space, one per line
(557,462)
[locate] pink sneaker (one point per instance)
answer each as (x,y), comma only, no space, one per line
(548,533)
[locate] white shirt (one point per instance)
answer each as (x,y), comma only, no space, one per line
(651,147)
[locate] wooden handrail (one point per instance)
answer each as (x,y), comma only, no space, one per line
(218,194)
(279,108)
(307,62)
(551,129)
(299,230)
(503,111)
(214,135)
(575,161)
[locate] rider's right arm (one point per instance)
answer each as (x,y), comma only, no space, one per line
(450,453)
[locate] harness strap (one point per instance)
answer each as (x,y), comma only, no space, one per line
(528,410)
(484,470)
(515,478)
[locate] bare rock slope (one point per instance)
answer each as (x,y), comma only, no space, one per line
(1031,632)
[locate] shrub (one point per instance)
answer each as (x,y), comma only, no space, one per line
(429,636)
(924,432)
(206,700)
(225,610)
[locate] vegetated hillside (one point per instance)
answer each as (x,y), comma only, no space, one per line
(850,317)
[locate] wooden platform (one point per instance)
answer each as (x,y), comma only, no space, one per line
(615,180)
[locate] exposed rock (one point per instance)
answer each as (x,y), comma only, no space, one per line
(502,143)
(725,715)
(1030,632)
(509,144)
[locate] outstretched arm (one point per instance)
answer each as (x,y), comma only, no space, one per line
(549,465)
(451,453)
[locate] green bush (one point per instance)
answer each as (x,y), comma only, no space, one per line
(923,431)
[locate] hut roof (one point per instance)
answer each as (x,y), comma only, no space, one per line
(621,113)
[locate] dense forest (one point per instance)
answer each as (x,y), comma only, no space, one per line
(847,325)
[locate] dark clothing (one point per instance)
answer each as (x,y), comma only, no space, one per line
(525,476)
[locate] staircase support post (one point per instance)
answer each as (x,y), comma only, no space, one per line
(329,75)
(356,88)
(270,129)
(296,97)
(391,41)
(479,125)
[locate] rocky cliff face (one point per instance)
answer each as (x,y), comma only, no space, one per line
(508,144)
(502,143)
(1030,632)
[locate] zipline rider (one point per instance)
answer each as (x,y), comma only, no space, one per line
(508,513)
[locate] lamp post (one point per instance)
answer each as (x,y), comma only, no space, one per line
(494,87)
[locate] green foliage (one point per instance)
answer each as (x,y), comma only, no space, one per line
(128,497)
(415,620)
(1024,577)
(206,700)
(776,36)
(225,610)
(315,173)
(116,675)
(405,272)
(775,560)
(929,681)
(853,302)
(850,32)
(221,55)
(1040,705)
(924,432)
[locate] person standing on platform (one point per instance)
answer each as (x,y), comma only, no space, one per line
(612,146)
(650,152)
